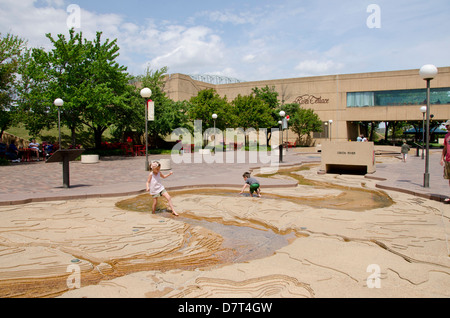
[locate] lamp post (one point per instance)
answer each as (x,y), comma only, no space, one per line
(214,117)
(423,110)
(287,132)
(58,103)
(427,72)
(329,127)
(146,93)
(282,114)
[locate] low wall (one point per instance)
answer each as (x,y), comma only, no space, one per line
(348,157)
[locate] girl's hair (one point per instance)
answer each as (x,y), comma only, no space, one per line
(154,164)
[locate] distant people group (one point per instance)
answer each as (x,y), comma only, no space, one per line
(31,152)
(12,153)
(361,138)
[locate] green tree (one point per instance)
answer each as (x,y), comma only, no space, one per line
(269,95)
(208,102)
(104,92)
(11,49)
(302,121)
(85,75)
(251,112)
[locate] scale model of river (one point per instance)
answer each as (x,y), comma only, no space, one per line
(227,242)
(254,240)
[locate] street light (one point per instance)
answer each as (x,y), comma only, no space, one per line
(329,127)
(146,93)
(423,110)
(287,131)
(280,149)
(427,72)
(58,103)
(214,116)
(282,114)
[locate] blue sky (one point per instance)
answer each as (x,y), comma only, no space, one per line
(249,40)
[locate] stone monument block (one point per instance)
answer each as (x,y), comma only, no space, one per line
(348,157)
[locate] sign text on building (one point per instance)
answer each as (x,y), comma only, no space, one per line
(311,99)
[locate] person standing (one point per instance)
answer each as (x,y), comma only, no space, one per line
(405,150)
(445,158)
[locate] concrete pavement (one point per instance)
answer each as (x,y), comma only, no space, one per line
(408,177)
(22,183)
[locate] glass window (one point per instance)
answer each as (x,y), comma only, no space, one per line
(360,99)
(398,97)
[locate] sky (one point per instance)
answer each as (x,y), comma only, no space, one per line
(249,40)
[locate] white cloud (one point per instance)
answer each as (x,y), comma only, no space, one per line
(252,40)
(190,49)
(314,67)
(181,48)
(249,58)
(58,3)
(228,17)
(23,19)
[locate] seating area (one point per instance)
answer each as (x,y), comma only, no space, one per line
(127,148)
(24,153)
(291,144)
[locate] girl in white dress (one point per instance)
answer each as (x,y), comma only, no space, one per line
(156,188)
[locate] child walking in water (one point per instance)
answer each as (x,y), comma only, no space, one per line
(156,188)
(252,183)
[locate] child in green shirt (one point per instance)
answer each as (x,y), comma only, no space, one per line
(252,183)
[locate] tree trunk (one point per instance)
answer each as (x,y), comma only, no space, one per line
(386,131)
(372,130)
(73,133)
(98,132)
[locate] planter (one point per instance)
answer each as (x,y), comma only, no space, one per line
(165,164)
(90,159)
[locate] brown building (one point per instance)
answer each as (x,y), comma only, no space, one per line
(345,100)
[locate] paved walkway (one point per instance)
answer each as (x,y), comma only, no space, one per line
(39,181)
(408,177)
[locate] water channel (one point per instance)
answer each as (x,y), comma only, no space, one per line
(244,243)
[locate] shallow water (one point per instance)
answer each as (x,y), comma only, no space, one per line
(244,243)
(351,198)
